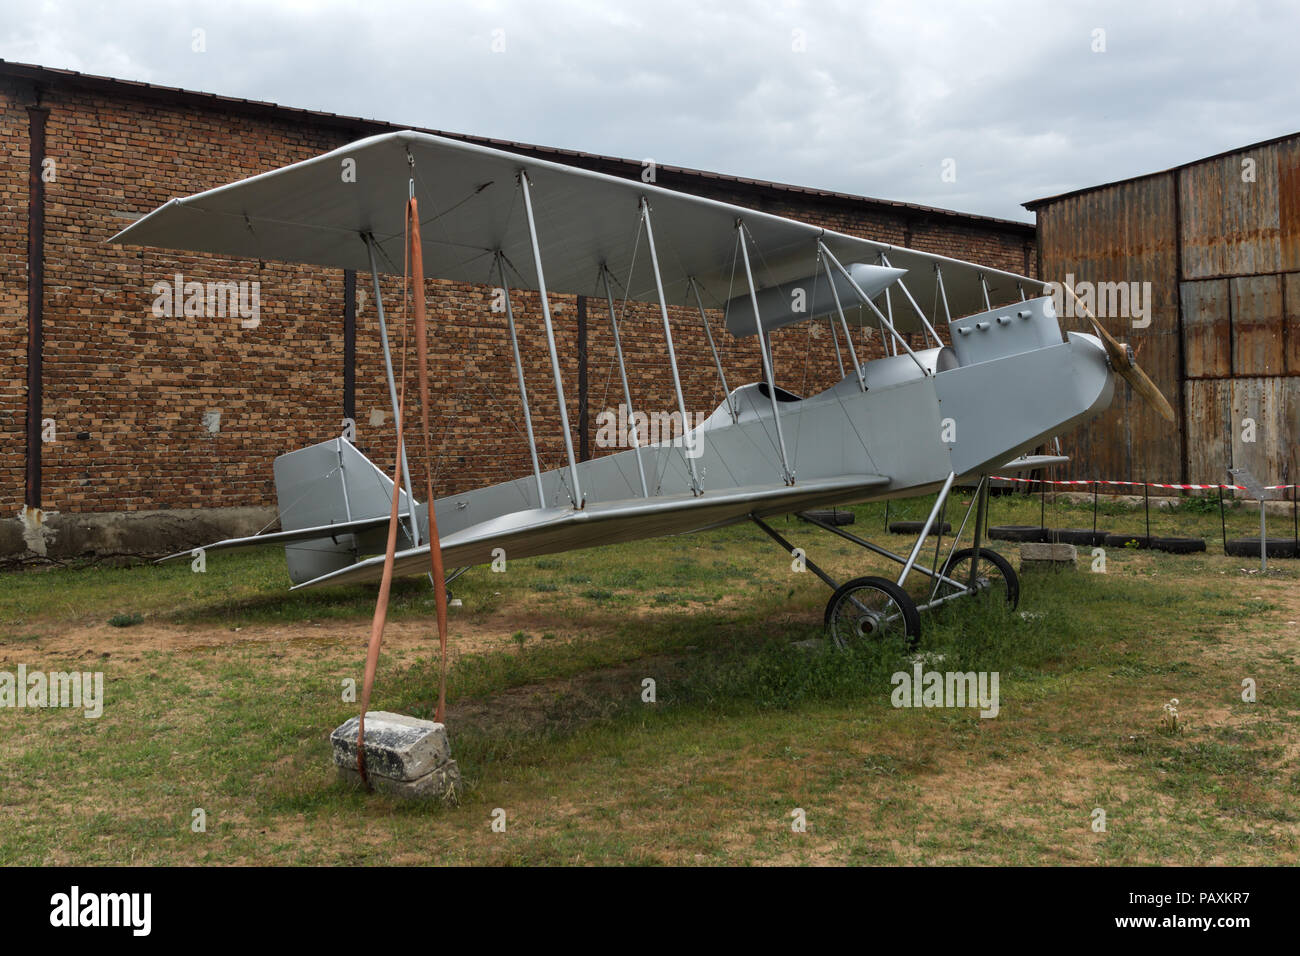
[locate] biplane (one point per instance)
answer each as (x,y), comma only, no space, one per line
(937,411)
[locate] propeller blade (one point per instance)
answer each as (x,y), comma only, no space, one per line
(1123,361)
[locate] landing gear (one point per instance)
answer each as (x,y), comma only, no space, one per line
(871,609)
(875,608)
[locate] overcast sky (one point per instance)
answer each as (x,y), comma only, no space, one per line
(1025,99)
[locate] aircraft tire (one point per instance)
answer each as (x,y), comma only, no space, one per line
(1011,580)
(846,622)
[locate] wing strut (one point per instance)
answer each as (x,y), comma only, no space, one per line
(392,387)
(519,372)
(866,300)
(717,361)
(578,500)
(668,338)
(627,391)
(853,351)
(884,261)
(943,293)
(786,473)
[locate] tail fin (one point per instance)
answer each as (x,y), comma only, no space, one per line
(333,483)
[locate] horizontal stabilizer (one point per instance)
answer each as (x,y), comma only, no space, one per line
(331,531)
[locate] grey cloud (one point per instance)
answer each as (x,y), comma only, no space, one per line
(880,97)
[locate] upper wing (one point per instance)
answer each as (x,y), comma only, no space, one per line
(317,211)
(526,534)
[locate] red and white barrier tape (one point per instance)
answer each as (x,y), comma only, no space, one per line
(1135,484)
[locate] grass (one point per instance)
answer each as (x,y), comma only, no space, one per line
(221,698)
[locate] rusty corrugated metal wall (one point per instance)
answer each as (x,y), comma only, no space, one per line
(1219,241)
(1123,233)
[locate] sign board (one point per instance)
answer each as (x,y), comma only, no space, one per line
(1243,477)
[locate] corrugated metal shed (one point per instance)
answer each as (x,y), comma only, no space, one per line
(1219,242)
(1123,234)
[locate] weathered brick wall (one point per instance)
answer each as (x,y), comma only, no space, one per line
(13,296)
(137,387)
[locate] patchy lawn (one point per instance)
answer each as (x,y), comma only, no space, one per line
(222,696)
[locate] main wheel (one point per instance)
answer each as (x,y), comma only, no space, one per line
(871,609)
(994,575)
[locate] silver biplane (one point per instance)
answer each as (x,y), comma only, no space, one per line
(916,421)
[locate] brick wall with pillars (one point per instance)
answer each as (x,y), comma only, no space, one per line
(189,412)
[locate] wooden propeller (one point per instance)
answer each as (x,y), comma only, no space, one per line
(1124,361)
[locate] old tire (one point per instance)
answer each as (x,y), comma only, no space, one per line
(1017,532)
(1178,545)
(914,527)
(1081,537)
(832,516)
(1122,541)
(1249,547)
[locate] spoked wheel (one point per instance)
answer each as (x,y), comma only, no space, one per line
(993,577)
(871,609)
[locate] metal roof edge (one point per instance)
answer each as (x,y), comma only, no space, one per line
(1033,204)
(42,74)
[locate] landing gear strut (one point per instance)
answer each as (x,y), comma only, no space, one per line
(876,608)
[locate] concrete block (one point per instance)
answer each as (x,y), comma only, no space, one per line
(409,756)
(441,783)
(1035,556)
(60,535)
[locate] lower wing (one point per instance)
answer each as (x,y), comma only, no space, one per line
(526,534)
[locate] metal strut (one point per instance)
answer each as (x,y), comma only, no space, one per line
(519,372)
(672,354)
(884,261)
(717,360)
(929,523)
(943,293)
(835,294)
(981,513)
(772,533)
(866,300)
(786,474)
(392,386)
(577,498)
(876,549)
(627,391)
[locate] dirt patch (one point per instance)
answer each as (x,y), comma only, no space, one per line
(129,643)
